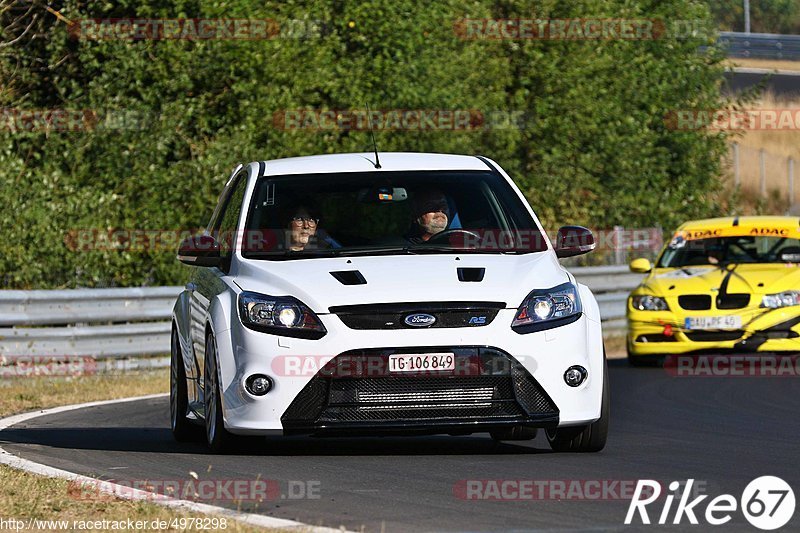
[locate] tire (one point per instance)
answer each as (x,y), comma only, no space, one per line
(639,361)
(182,428)
(218,438)
(514,433)
(633,360)
(589,438)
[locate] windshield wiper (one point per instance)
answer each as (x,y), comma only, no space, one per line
(328,252)
(456,249)
(291,254)
(411,249)
(384,250)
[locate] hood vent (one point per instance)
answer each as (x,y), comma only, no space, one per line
(468,274)
(349,277)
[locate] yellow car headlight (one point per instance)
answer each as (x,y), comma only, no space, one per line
(782,299)
(646,302)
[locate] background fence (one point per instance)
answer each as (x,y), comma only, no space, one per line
(761,45)
(120,323)
(763,174)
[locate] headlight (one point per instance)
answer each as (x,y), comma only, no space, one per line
(279,315)
(548,308)
(782,299)
(649,303)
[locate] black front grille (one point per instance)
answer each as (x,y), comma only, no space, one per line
(488,387)
(393,315)
(713,336)
(695,302)
(655,337)
(733,301)
(353,400)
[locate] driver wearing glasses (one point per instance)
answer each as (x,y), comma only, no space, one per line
(302,228)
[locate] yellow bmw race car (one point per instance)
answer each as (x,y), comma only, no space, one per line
(723,284)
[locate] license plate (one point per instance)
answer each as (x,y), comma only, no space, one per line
(714,322)
(421,362)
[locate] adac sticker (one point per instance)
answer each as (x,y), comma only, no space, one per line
(770,232)
(701,234)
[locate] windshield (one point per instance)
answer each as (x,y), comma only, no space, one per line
(387,212)
(726,250)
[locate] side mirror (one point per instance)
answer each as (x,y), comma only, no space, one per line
(641,266)
(200,250)
(573,240)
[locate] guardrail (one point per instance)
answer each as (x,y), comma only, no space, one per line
(97,322)
(760,45)
(610,285)
(112,323)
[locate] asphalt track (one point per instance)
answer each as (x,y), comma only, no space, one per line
(723,432)
(782,84)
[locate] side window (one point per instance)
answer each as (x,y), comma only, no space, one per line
(225,224)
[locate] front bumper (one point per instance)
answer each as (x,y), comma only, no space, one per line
(354,393)
(763,330)
(293,365)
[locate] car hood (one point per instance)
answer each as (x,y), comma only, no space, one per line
(406,278)
(742,278)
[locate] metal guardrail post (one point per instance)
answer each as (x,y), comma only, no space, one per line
(746,8)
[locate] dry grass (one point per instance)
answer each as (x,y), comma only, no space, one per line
(771,64)
(25,496)
(26,394)
(615,346)
(778,146)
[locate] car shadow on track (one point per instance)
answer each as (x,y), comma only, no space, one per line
(158,440)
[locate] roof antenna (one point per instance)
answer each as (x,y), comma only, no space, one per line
(372,133)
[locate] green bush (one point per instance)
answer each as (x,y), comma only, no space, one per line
(590,144)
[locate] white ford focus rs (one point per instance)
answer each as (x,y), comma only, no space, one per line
(391,293)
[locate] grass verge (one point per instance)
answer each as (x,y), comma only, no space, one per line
(779,145)
(615,347)
(771,64)
(25,496)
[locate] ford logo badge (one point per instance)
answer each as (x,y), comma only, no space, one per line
(420,320)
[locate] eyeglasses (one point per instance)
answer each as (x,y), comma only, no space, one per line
(298,221)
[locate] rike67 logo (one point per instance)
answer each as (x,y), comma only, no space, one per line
(767,503)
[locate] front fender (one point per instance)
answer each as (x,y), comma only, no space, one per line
(180,321)
(220,315)
(589,303)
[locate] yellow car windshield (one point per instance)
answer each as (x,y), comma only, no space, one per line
(726,250)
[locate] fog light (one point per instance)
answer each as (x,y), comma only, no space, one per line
(575,375)
(258,384)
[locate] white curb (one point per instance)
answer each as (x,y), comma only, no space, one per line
(130,493)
